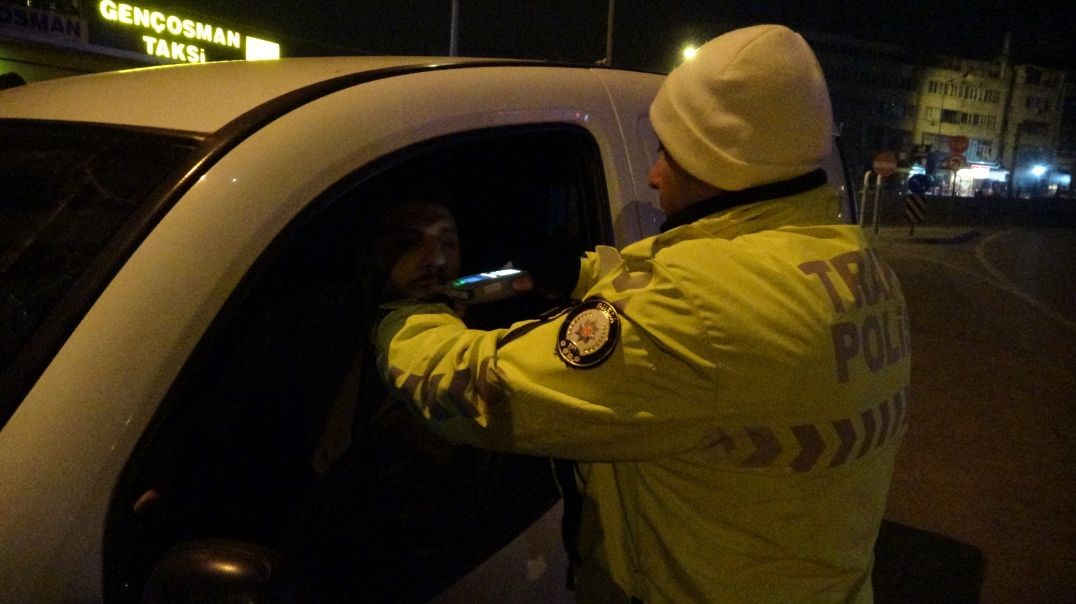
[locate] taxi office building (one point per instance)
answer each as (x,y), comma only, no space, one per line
(40,40)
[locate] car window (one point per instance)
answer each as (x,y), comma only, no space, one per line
(65,192)
(278,431)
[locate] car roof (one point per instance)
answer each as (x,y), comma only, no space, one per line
(198,98)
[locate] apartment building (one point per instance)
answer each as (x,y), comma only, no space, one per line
(976,127)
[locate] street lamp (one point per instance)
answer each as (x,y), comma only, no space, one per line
(1038,171)
(609,35)
(689,52)
(454,30)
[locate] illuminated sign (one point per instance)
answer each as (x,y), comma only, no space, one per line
(175,38)
(976,171)
(23,21)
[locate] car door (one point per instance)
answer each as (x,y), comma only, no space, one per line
(234,311)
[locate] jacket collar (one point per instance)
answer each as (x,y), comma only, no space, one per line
(731,199)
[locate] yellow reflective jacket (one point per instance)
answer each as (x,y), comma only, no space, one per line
(737,443)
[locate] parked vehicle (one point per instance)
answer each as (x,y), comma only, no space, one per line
(153,221)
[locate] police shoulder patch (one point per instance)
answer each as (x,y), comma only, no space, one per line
(589,334)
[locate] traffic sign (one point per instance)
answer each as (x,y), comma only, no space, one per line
(915,208)
(885,163)
(958,144)
(956,162)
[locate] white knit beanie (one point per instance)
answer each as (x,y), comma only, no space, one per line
(751,108)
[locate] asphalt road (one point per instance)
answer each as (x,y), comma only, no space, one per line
(990,454)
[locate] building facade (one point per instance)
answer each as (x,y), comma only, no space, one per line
(873,88)
(975,127)
(43,39)
(1035,131)
(1066,143)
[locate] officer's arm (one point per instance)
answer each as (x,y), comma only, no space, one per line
(427,355)
(589,269)
(512,390)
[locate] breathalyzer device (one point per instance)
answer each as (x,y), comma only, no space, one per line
(485,287)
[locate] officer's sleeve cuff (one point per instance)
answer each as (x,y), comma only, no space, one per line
(396,320)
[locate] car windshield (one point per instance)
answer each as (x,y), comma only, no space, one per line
(66,190)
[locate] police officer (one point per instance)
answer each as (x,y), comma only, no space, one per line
(733,389)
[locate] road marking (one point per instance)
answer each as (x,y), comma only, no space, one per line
(996,278)
(1012,287)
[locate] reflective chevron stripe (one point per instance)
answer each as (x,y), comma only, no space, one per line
(468,396)
(811,447)
(800,447)
(767,447)
(834,441)
(883,409)
(847,433)
(870,428)
(899,403)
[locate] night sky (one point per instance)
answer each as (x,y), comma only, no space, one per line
(648,33)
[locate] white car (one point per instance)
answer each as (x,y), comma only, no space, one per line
(161,229)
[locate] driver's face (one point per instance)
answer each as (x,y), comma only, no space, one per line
(420,244)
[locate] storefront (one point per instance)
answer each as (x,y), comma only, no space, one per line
(70,38)
(980,180)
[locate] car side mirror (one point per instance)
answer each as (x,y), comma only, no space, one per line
(221,570)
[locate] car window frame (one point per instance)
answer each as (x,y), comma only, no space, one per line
(597,215)
(17,381)
(26,366)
